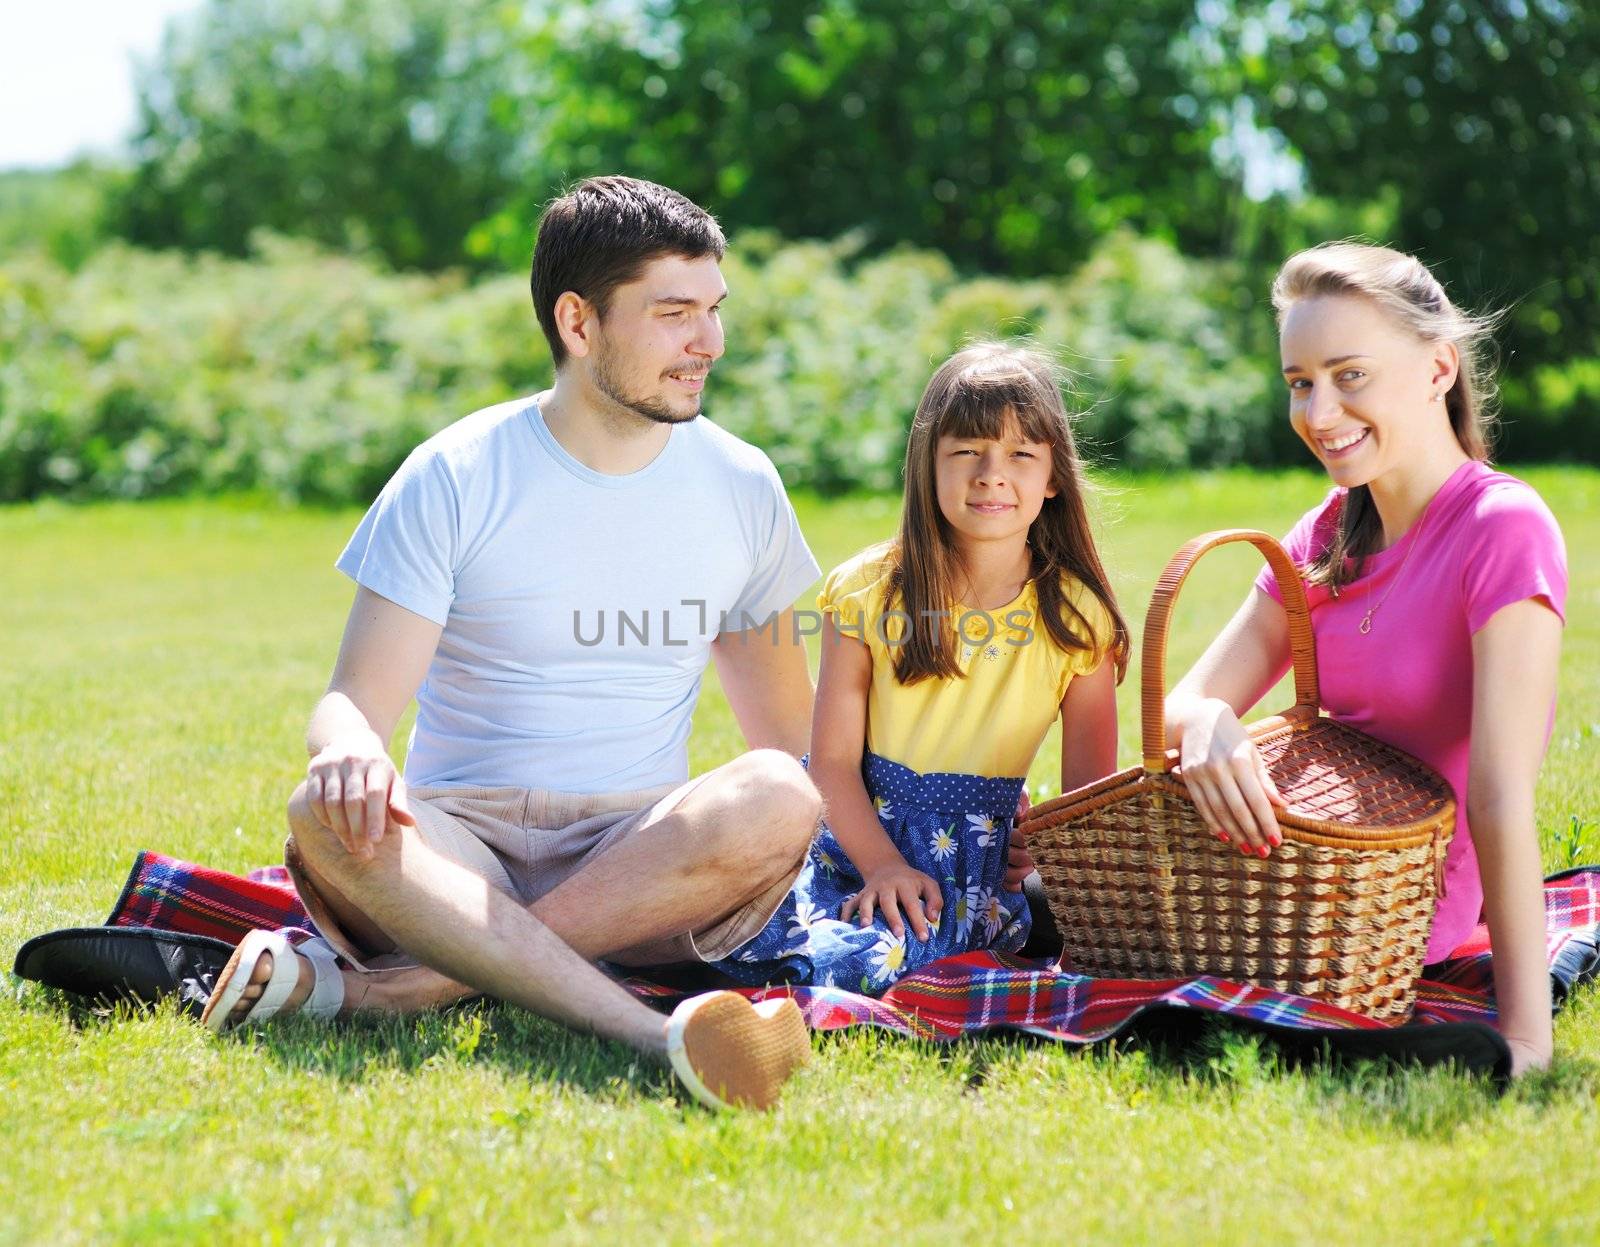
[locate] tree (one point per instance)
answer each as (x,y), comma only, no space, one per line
(1008,135)
(364,122)
(1478,119)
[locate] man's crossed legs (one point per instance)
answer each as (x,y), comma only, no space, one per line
(695,873)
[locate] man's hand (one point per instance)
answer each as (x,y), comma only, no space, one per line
(351,786)
(767,683)
(889,890)
(355,792)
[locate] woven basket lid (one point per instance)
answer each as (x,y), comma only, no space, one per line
(1334,773)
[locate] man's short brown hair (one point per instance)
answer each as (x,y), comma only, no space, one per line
(602,233)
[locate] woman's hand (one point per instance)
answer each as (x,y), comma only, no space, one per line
(1515,659)
(888,890)
(1527,1055)
(1227,779)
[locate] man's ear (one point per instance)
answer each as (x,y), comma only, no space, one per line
(576,321)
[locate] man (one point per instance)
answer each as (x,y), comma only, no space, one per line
(548,578)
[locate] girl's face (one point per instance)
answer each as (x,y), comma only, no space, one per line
(1361,387)
(992,490)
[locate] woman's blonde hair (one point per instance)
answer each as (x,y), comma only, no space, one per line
(976,393)
(1402,287)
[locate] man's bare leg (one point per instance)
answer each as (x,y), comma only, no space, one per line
(404,987)
(743,828)
(472,933)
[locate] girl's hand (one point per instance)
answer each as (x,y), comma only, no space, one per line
(1019,862)
(1228,780)
(892,888)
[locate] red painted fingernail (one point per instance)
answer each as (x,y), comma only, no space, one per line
(1265,851)
(1222,836)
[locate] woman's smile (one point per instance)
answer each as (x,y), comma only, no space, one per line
(1343,446)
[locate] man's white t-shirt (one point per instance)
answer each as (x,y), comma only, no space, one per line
(578,608)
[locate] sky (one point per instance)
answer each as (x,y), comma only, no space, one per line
(66,74)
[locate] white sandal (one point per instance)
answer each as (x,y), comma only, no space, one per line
(327,991)
(730,1053)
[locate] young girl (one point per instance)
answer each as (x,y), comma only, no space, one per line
(1437,589)
(946,655)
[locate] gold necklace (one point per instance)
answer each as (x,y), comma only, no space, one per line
(1416,539)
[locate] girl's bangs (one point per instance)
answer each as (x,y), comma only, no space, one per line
(980,407)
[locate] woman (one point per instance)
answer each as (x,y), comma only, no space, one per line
(1438,592)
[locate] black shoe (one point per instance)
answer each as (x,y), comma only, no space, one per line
(106,964)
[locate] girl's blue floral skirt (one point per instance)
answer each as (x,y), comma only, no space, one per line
(954,828)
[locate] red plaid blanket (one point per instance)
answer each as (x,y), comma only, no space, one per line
(988,991)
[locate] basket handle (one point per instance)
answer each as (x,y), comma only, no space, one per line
(1153,649)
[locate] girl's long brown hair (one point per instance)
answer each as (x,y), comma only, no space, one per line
(1412,297)
(976,394)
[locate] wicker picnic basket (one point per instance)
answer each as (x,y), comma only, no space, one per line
(1141,888)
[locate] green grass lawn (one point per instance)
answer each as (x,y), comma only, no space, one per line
(160,661)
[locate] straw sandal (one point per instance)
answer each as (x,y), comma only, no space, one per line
(731,1053)
(327,992)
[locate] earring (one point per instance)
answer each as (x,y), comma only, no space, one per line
(1436,398)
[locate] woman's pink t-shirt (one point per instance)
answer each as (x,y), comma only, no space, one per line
(1484,541)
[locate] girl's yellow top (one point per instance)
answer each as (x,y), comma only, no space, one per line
(992,720)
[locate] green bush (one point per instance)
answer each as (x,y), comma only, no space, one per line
(1553,411)
(309,375)
(60,212)
(303,374)
(1167,358)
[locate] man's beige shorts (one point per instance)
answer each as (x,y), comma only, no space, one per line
(526,842)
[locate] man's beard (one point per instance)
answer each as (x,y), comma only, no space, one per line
(653,409)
